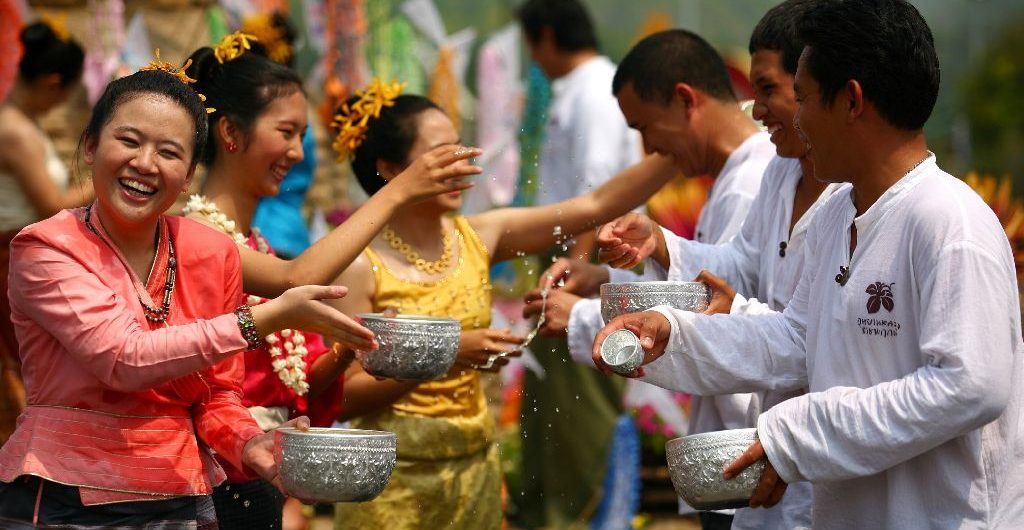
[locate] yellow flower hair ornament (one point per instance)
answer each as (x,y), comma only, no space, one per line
(162,66)
(233,46)
(351,121)
(261,26)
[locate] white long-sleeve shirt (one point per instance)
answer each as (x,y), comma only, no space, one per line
(752,263)
(914,416)
(586,139)
(727,205)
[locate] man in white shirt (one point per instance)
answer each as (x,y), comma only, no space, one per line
(674,88)
(586,141)
(905,325)
(765,260)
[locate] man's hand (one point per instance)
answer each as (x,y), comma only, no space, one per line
(722,294)
(770,488)
(628,240)
(556,314)
(574,276)
(651,326)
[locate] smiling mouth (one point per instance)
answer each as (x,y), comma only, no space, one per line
(279,171)
(135,187)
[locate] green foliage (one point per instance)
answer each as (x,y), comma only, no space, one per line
(993,103)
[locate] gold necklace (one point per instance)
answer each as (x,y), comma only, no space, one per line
(429,267)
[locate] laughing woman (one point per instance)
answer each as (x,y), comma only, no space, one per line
(429,262)
(129,324)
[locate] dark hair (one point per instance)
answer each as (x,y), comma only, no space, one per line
(389,137)
(658,62)
(777,31)
(140,84)
(240,89)
(569,21)
(885,45)
(46,53)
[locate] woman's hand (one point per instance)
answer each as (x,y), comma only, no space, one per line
(574,276)
(258,453)
(488,349)
(301,308)
(628,240)
(437,171)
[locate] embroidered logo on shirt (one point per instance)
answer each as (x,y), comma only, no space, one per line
(881,296)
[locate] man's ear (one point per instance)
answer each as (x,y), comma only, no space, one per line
(854,95)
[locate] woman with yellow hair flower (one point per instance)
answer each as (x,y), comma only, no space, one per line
(428,261)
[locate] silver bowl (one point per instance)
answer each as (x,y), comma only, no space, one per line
(411,346)
(633,297)
(696,464)
(334,465)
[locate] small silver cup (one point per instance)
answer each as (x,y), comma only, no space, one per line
(622,352)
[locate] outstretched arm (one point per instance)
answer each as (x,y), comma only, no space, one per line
(508,231)
(433,173)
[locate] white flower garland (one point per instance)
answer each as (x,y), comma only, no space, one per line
(287,347)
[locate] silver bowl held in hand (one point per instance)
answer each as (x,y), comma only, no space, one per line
(334,465)
(634,297)
(411,346)
(696,464)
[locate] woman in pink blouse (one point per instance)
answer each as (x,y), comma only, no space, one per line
(129,321)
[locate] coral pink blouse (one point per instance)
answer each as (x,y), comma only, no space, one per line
(124,408)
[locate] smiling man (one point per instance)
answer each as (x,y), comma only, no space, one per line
(673,88)
(905,325)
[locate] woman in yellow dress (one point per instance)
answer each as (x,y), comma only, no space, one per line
(429,262)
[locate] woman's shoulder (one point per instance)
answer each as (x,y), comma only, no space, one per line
(195,239)
(64,228)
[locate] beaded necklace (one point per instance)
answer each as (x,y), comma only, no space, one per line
(287,347)
(153,314)
(413,257)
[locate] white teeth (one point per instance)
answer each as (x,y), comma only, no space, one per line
(772,129)
(138,186)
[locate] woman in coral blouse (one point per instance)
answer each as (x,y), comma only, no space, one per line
(128,322)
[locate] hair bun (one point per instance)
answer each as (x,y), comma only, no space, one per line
(38,36)
(204,66)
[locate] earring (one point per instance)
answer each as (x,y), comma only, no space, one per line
(231,147)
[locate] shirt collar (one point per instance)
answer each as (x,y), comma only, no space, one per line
(893,195)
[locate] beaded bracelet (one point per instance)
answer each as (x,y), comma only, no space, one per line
(247,326)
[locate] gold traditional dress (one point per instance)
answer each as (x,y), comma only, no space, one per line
(448,474)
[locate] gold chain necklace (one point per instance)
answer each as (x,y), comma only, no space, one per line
(429,267)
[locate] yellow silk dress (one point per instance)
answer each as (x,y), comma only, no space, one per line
(448,473)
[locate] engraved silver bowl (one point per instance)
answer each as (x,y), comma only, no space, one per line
(633,297)
(411,346)
(696,464)
(334,465)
